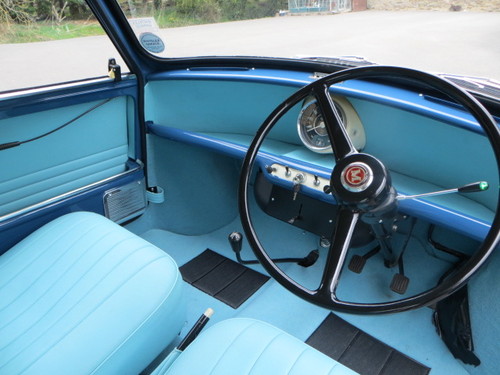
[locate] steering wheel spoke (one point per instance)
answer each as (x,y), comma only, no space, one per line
(341,142)
(341,239)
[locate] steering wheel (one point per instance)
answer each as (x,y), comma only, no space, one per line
(361,185)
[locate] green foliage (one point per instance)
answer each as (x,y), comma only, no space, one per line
(234,9)
(208,10)
(171,13)
(40,20)
(15,11)
(43,31)
(28,11)
(248,9)
(216,10)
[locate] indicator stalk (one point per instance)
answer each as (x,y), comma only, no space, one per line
(469,188)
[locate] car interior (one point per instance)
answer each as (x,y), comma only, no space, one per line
(331,220)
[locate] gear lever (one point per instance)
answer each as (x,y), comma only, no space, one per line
(236,242)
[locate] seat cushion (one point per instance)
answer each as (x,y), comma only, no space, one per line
(83,295)
(247,346)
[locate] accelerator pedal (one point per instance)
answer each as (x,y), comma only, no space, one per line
(399,283)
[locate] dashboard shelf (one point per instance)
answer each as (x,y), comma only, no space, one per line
(455,211)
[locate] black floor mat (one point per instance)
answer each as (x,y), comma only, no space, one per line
(222,278)
(361,352)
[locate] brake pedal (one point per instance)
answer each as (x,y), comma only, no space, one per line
(399,283)
(357,262)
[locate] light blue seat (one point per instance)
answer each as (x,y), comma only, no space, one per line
(246,346)
(82,295)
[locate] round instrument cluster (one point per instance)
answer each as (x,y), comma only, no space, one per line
(312,129)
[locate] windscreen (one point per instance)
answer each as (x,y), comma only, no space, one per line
(437,37)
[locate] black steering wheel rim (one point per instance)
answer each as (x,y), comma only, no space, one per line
(318,296)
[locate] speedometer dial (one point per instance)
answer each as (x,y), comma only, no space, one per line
(312,129)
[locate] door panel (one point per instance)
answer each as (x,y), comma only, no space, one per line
(90,149)
(74,167)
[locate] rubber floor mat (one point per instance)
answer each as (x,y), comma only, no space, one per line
(361,352)
(222,278)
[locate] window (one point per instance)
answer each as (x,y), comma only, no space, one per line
(46,42)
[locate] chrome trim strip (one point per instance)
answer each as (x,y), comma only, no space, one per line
(67,195)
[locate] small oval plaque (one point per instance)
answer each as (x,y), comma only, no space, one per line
(152,42)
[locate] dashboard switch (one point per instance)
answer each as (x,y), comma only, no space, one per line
(297,177)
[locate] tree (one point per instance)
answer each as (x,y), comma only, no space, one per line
(12,11)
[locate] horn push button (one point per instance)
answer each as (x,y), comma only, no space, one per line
(360,179)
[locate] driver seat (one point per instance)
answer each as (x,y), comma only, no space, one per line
(82,295)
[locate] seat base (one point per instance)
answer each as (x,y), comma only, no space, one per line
(83,295)
(246,346)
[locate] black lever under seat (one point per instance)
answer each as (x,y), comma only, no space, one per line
(236,242)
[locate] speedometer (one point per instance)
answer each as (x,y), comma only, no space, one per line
(312,129)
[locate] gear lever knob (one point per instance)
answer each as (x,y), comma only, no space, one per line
(236,241)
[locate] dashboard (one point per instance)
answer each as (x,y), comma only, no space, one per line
(428,144)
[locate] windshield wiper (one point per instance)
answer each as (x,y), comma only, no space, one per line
(482,86)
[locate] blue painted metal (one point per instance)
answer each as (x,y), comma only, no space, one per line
(31,102)
(384,94)
(281,77)
(434,213)
(221,106)
(398,137)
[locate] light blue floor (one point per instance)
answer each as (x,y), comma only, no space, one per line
(412,333)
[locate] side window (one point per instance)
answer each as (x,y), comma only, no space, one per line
(47,42)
